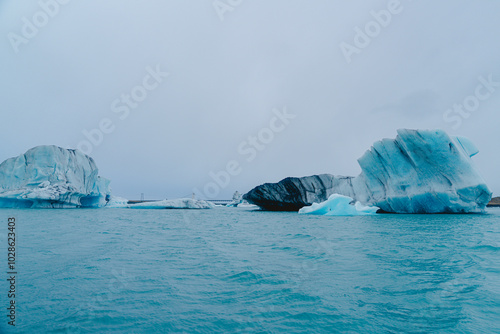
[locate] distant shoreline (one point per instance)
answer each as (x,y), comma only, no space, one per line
(494,203)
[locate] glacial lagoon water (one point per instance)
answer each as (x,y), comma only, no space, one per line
(237,271)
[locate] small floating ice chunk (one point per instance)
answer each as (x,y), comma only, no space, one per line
(339,205)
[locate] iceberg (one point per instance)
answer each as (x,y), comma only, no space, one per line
(181,203)
(420,171)
(339,205)
(237,200)
(52,177)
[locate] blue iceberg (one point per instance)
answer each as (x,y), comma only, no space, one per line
(52,177)
(422,171)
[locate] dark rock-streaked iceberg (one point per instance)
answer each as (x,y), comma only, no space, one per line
(52,177)
(293,193)
(421,171)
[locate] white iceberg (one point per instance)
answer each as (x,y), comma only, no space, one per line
(52,177)
(181,203)
(237,200)
(339,205)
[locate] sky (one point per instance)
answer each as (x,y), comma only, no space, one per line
(173,97)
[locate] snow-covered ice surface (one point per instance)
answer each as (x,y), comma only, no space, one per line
(181,203)
(339,205)
(52,177)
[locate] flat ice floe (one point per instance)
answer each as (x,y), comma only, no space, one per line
(180,203)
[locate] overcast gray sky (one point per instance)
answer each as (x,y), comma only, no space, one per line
(232,65)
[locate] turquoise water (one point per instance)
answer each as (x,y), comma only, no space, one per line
(233,270)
